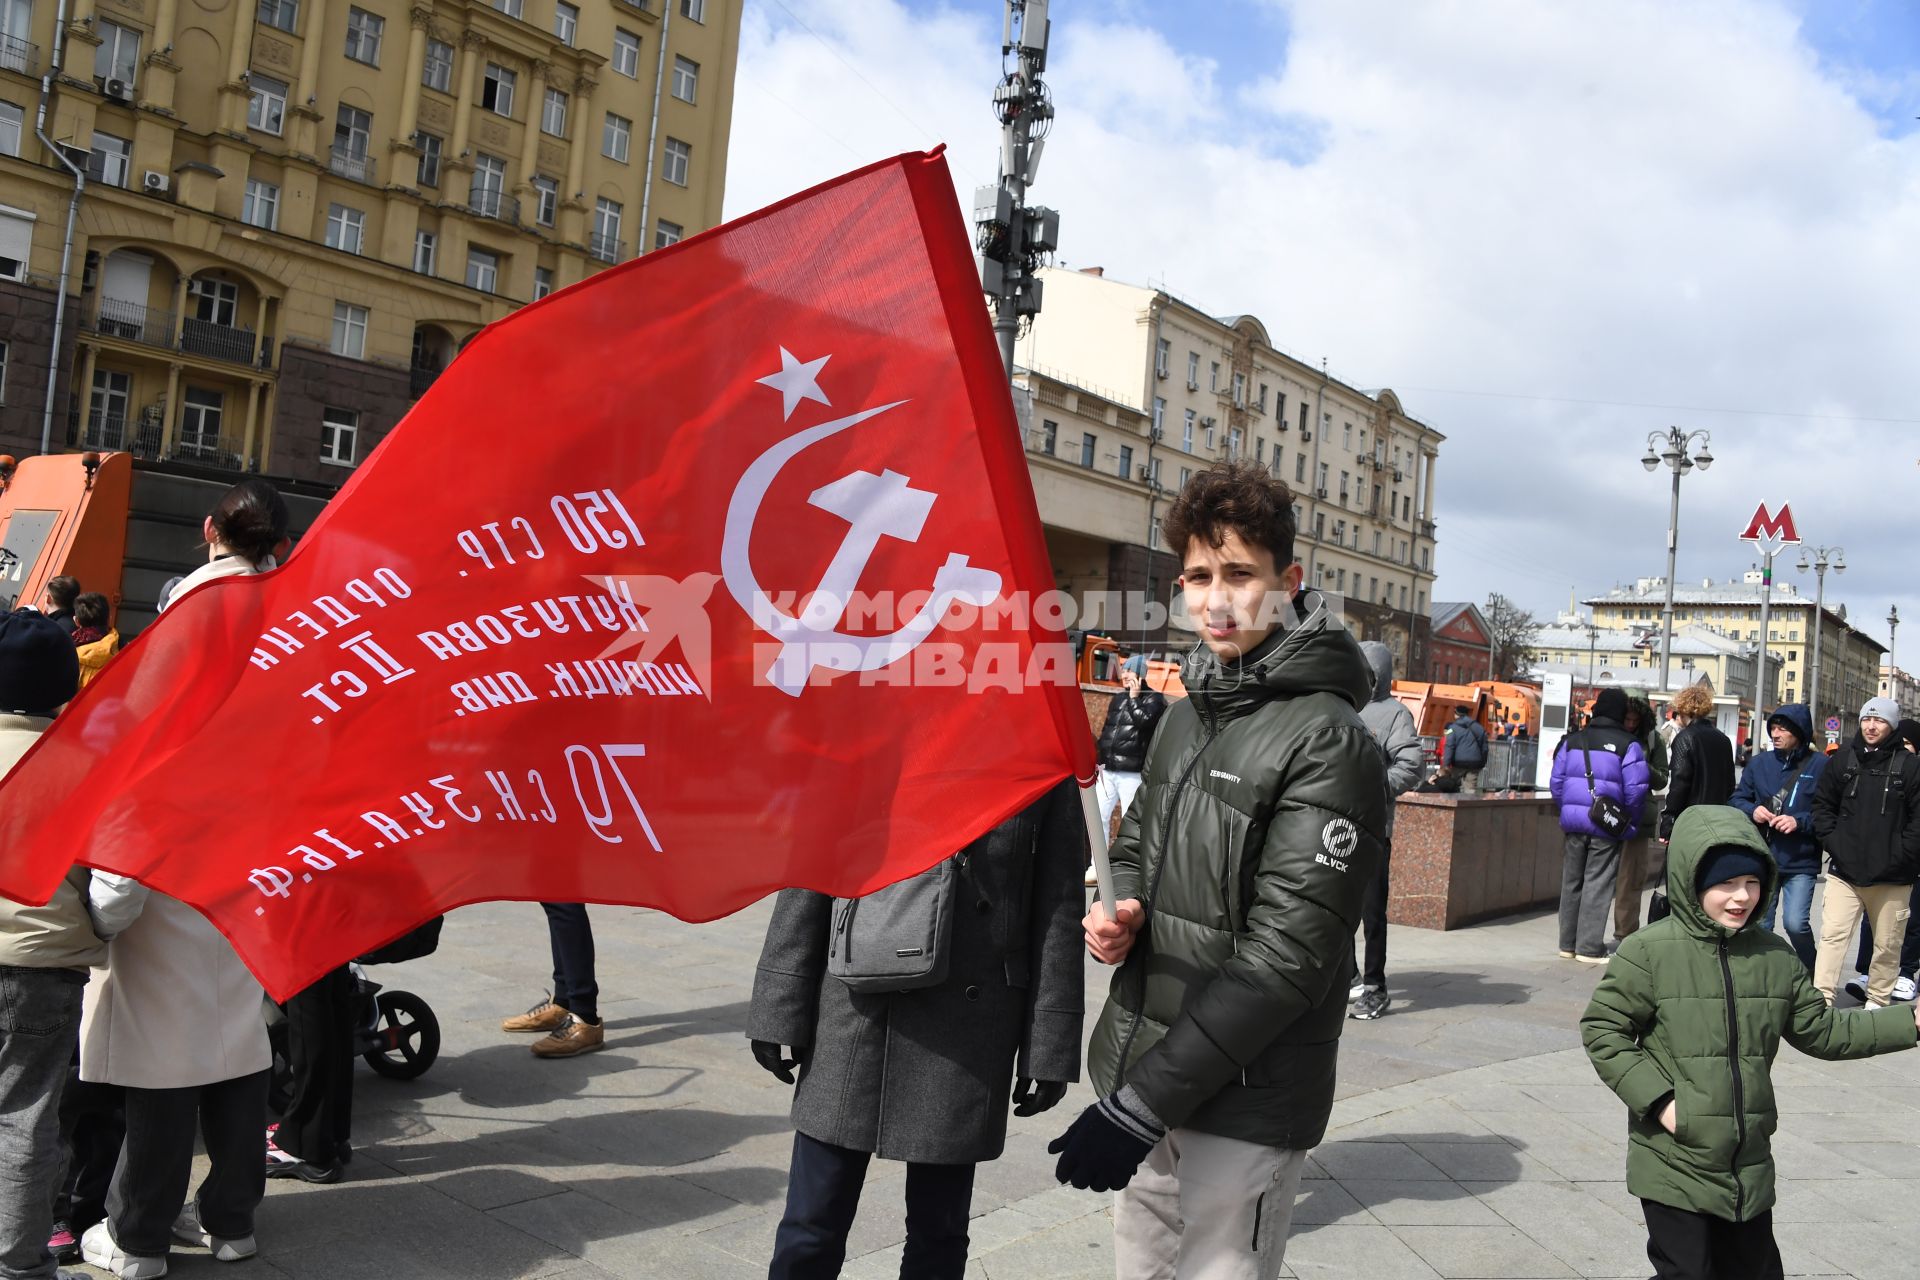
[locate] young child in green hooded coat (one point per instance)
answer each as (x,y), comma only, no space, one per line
(1685,1027)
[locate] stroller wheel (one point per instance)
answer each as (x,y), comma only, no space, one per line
(407,1036)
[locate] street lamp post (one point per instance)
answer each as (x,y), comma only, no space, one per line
(1893,668)
(1822,557)
(1672,447)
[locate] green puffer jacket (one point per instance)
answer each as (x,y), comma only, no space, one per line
(1259,822)
(1696,1010)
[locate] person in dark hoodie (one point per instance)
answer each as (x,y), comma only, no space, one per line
(1866,812)
(1122,749)
(1391,725)
(1907,733)
(1601,760)
(1641,858)
(1776,791)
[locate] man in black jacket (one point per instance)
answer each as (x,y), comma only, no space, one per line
(1465,752)
(1866,812)
(1239,875)
(1122,749)
(1700,762)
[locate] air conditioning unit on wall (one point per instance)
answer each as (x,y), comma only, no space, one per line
(155,182)
(118,90)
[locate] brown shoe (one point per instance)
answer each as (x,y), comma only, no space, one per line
(570,1038)
(544,1016)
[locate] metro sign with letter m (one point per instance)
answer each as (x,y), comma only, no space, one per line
(1771,531)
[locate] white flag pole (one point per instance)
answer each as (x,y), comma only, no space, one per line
(1097,840)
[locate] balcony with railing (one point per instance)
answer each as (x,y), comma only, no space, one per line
(357,166)
(207,450)
(113,318)
(219,341)
(491,203)
(18,55)
(419,379)
(606,248)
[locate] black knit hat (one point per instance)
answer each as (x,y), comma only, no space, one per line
(39,669)
(1611,705)
(1727,862)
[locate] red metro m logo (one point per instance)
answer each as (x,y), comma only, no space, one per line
(1771,531)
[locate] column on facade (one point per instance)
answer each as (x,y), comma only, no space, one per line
(416,69)
(89,355)
(170,418)
(536,114)
(179,308)
(1428,460)
(253,410)
(308,84)
(260,331)
(77,60)
(471,43)
(268,399)
(156,88)
(573,215)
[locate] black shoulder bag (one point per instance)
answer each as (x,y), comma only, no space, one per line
(1604,812)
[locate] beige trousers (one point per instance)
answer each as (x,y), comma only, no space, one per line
(1887,906)
(1203,1207)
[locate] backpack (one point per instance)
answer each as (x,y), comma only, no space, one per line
(896,938)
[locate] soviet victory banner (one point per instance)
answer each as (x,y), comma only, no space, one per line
(678,587)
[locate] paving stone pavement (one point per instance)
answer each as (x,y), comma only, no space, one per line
(1470,1139)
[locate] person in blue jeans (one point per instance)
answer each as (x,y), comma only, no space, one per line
(1776,791)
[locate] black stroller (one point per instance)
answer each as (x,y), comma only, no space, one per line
(394,1031)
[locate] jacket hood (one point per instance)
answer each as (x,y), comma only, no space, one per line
(1611,704)
(1317,655)
(1380,658)
(1798,718)
(1700,828)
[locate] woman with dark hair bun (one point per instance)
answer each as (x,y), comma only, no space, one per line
(177,1019)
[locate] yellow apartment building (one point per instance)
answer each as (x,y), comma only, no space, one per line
(296,212)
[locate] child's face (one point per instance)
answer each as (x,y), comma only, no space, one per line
(1235,594)
(1732,902)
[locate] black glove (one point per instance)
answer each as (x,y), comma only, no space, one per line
(1107,1143)
(767,1054)
(1031,1097)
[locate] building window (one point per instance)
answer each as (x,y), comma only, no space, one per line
(1049,435)
(626,53)
(1087,443)
(1300,468)
(1125,469)
(16,242)
(346,228)
(1162,354)
(686,78)
(281,14)
(496,90)
(1193,370)
(1239,390)
(694,9)
(512,8)
(666,233)
(1322,486)
(1186,474)
(1207,424)
(218,301)
(260,206)
(1186,431)
(11,118)
(117,54)
(266,104)
(363,36)
(566,22)
(489,181)
(339,428)
(616,137)
(553,114)
(437,71)
(349,330)
(605,244)
(352,134)
(1213,375)
(110,159)
(425,243)
(429,144)
(679,159)
(200,418)
(546,200)
(483,270)
(542,282)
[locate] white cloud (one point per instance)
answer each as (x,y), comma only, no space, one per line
(1648,203)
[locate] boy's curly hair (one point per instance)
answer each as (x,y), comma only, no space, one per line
(1693,702)
(1233,497)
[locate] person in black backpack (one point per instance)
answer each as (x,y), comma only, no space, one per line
(925,1075)
(1866,812)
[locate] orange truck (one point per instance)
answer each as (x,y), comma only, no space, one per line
(1101,658)
(1500,707)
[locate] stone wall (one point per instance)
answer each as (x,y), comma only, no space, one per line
(26,326)
(312,381)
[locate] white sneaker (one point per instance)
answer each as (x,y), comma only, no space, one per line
(1356,991)
(1903,989)
(1856,986)
(187,1230)
(99,1250)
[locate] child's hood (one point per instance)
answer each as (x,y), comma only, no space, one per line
(1698,829)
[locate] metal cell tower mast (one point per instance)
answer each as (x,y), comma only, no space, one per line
(1012,238)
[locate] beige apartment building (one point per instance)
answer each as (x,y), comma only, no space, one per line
(297,211)
(1132,390)
(1849,658)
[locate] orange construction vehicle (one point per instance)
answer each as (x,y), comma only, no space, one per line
(1432,704)
(1102,656)
(62,514)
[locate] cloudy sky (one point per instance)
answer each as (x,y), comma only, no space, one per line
(1551,227)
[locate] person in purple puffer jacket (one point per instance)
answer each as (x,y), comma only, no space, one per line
(1602,759)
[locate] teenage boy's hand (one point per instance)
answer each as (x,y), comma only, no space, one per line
(1109,941)
(1763,815)
(1785,824)
(1670,1117)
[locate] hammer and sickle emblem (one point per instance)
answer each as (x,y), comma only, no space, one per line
(874,507)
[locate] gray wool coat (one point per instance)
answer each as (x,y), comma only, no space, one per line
(924,1076)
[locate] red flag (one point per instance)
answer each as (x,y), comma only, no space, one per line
(605,618)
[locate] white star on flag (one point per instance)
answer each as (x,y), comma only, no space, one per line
(796,381)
